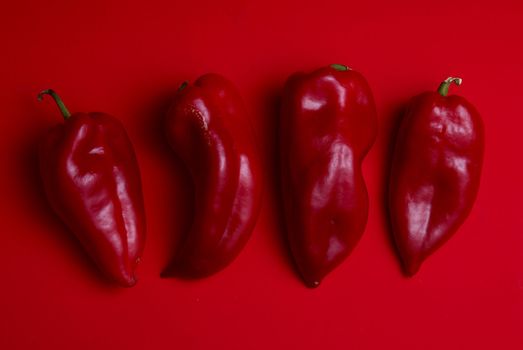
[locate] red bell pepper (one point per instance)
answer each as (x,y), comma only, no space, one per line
(208,128)
(435,173)
(328,124)
(92,181)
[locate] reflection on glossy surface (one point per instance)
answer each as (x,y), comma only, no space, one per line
(419,207)
(328,123)
(435,174)
(208,128)
(92,181)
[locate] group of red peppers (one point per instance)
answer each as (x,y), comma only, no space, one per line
(328,123)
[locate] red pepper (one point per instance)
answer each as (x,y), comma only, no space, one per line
(208,128)
(92,182)
(435,173)
(328,124)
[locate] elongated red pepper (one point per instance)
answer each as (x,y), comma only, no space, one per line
(92,182)
(208,128)
(328,124)
(435,173)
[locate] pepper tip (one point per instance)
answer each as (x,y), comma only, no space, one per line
(410,268)
(312,283)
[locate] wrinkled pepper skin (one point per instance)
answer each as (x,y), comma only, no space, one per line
(92,181)
(328,123)
(208,128)
(435,172)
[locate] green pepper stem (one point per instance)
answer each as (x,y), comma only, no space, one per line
(340,67)
(58,100)
(443,89)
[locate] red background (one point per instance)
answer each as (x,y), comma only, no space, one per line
(127,58)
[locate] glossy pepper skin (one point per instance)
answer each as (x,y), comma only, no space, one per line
(92,181)
(328,124)
(208,128)
(435,174)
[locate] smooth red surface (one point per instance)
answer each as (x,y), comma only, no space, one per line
(327,125)
(209,129)
(435,173)
(92,181)
(128,58)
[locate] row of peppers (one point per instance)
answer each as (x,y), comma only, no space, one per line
(328,123)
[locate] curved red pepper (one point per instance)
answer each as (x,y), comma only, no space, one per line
(435,173)
(208,128)
(92,182)
(328,124)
